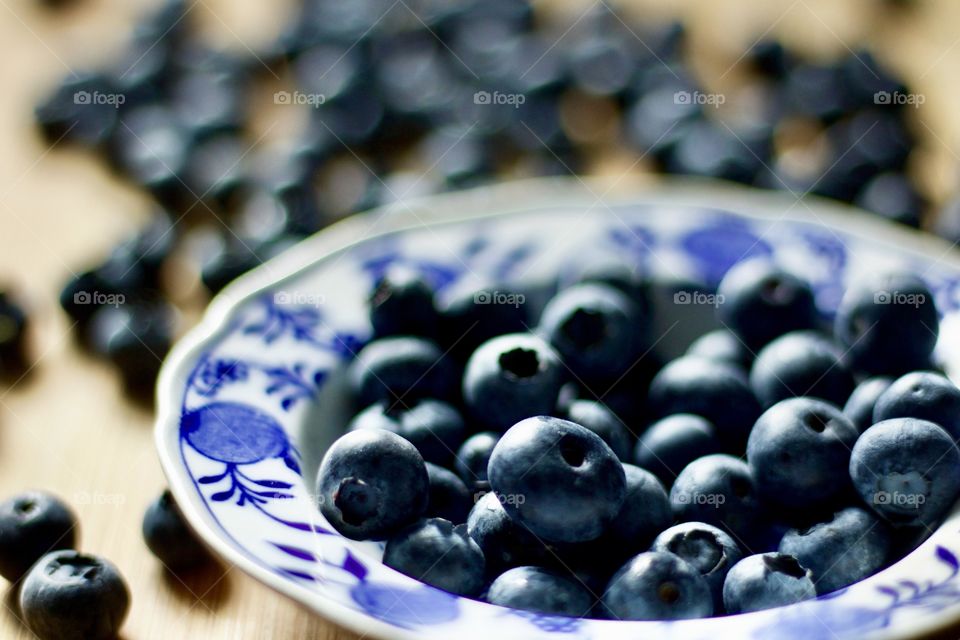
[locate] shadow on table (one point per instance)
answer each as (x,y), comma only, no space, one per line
(207,585)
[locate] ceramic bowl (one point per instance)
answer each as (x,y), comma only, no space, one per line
(251,398)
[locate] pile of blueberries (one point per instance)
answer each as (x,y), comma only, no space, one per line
(548,461)
(471,90)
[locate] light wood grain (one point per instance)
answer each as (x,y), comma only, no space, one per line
(66,427)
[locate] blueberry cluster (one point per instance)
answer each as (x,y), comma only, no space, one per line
(778,459)
(469,90)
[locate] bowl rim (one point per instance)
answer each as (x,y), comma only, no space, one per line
(475,204)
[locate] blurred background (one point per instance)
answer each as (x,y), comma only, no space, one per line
(153,152)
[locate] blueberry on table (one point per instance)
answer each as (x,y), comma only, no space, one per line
(505,542)
(135,337)
(770,59)
(567,485)
(765,581)
(371,484)
(450,498)
(658,585)
(215,171)
(706,548)
(926,395)
(435,428)
(718,392)
(799,453)
(400,370)
(907,471)
(169,538)
(800,363)
(852,545)
(440,554)
(540,590)
(510,378)
(68,595)
(722,345)
(860,404)
(473,457)
(596,329)
(14,325)
(603,422)
(761,302)
(78,110)
(31,524)
(402,304)
(472,316)
(888,324)
(228,260)
(670,444)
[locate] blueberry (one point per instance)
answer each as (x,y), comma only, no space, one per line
(461,157)
(603,65)
(76,112)
(800,363)
(852,545)
(925,395)
(402,304)
(215,171)
(717,489)
(762,301)
(645,512)
(708,149)
(567,482)
(817,91)
(716,391)
(613,271)
(894,197)
(657,121)
(907,471)
(595,329)
(510,378)
(473,457)
(770,58)
(210,101)
(371,484)
(722,345)
(439,554)
(151,245)
(670,444)
(860,404)
(706,548)
(765,581)
(603,422)
(32,524)
(540,590)
(400,369)
(135,337)
(169,537)
(14,330)
(799,452)
(73,596)
(450,498)
(505,542)
(888,323)
(657,585)
(435,428)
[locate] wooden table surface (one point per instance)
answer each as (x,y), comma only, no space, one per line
(66,426)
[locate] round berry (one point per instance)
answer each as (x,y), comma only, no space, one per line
(168,537)
(603,422)
(925,395)
(670,444)
(860,404)
(765,581)
(473,457)
(505,542)
(400,370)
(801,363)
(435,428)
(450,498)
(31,524)
(402,304)
(540,590)
(706,548)
(719,490)
(439,554)
(722,345)
(658,586)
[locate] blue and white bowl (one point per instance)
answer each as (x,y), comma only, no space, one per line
(251,398)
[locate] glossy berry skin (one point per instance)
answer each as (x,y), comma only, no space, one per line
(595,329)
(435,428)
(169,538)
(371,484)
(801,363)
(706,548)
(762,301)
(852,545)
(402,304)
(716,391)
(799,452)
(719,490)
(571,483)
(73,596)
(888,323)
(907,471)
(645,513)
(450,498)
(439,554)
(510,378)
(925,395)
(670,444)
(505,542)
(603,422)
(31,524)
(400,370)
(540,590)
(722,345)
(472,316)
(860,404)
(658,585)
(473,457)
(765,581)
